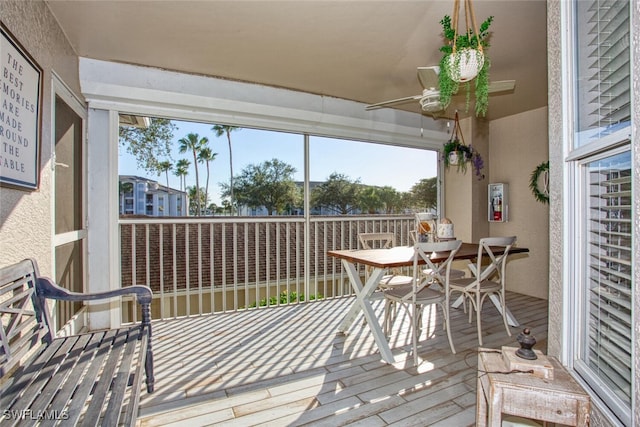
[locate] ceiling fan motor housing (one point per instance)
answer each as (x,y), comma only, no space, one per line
(430,101)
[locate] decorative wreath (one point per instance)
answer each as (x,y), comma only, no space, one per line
(540,195)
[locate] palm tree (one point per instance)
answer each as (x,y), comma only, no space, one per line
(205,156)
(194,143)
(182,170)
(165,167)
(226,130)
(195,198)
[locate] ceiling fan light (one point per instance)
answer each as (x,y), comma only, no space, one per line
(465,64)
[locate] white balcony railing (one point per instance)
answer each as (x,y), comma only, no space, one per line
(217,264)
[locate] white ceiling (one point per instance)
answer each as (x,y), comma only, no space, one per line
(359,50)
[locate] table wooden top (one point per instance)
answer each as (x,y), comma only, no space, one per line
(402,256)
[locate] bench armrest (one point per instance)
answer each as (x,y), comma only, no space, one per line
(48,289)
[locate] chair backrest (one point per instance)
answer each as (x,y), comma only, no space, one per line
(377,240)
(497,262)
(435,271)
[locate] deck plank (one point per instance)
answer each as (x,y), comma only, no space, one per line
(288,366)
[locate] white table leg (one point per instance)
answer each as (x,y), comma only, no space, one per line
(363,302)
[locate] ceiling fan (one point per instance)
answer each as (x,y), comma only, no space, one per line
(429,99)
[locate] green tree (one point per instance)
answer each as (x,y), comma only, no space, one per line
(195,205)
(339,194)
(192,142)
(206,156)
(269,184)
(124,189)
(181,171)
(425,193)
(369,199)
(391,199)
(165,166)
(148,144)
(226,206)
(220,130)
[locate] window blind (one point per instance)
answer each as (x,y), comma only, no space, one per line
(608,352)
(603,63)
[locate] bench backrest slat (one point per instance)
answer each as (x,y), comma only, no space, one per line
(22,327)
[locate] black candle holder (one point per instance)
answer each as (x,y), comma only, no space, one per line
(526,341)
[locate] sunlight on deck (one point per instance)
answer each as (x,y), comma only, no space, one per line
(288,366)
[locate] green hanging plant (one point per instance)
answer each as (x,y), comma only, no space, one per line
(469,43)
(456,152)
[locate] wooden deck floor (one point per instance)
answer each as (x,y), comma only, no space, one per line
(287,366)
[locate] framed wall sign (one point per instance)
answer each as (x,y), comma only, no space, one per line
(20,102)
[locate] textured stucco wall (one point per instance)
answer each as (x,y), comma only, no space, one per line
(518,146)
(511,147)
(556,225)
(26,216)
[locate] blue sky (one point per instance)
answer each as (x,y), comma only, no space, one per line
(372,164)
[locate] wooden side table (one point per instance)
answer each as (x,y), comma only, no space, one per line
(560,400)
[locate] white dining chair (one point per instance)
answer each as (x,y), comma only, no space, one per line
(419,294)
(488,279)
(393,277)
(426,224)
(384,241)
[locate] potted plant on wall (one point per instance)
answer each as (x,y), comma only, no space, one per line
(456,152)
(464,59)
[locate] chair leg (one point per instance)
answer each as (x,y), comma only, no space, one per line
(419,312)
(504,313)
(445,314)
(416,323)
(479,316)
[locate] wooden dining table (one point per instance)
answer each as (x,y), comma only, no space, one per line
(382,259)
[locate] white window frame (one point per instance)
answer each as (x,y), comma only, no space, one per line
(574,271)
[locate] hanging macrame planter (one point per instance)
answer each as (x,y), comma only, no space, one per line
(456,152)
(466,63)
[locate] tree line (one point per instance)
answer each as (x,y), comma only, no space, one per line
(270,184)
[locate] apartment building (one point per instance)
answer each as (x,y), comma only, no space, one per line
(143,196)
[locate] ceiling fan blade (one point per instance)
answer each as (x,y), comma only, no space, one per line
(428,77)
(502,86)
(392,102)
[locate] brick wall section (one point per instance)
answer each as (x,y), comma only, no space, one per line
(226,254)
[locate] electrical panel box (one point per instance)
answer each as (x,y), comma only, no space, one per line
(498,202)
